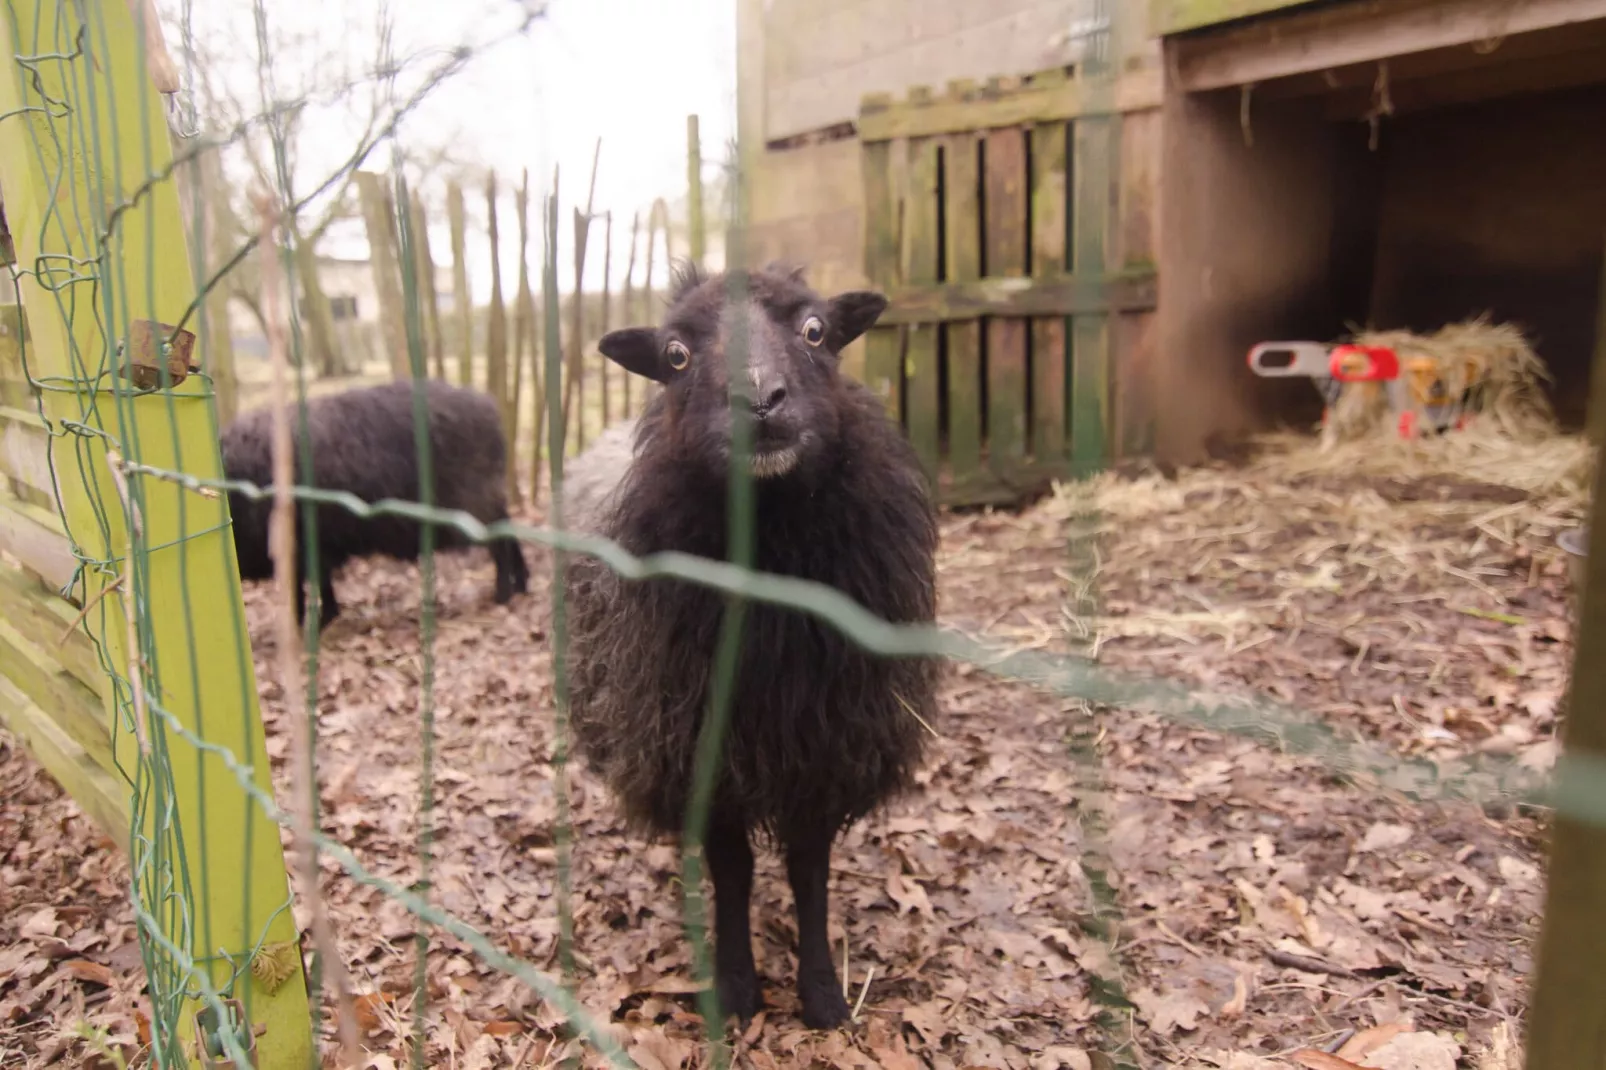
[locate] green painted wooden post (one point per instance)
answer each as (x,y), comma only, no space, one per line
(921,253)
(200,667)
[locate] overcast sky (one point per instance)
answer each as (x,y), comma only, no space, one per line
(629,71)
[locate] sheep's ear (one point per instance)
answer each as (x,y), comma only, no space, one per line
(852,314)
(635,349)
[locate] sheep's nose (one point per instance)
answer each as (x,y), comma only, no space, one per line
(767,399)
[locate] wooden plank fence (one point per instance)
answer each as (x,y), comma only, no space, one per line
(991,212)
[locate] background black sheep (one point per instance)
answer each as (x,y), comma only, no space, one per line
(363,442)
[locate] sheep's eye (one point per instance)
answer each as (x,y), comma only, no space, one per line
(679,355)
(813,331)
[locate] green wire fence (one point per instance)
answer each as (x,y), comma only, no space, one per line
(159,734)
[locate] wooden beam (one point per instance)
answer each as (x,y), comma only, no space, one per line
(1176,16)
(1043,295)
(991,107)
(1408,96)
(1360,32)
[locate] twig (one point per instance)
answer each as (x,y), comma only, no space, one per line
(1307,965)
(1178,940)
(125,579)
(89,605)
(863,992)
(281,546)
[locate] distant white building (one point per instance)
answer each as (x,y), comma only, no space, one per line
(348,283)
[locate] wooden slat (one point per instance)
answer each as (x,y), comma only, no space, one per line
(1177,16)
(46,618)
(1136,342)
(962,184)
(882,343)
(76,709)
(15,390)
(1095,146)
(1005,197)
(1137,233)
(1136,240)
(1343,34)
(1054,295)
(25,455)
(101,795)
(34,537)
(997,107)
(1050,198)
(921,253)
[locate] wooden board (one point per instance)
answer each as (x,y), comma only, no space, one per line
(1176,16)
(15,390)
(1339,35)
(34,537)
(922,401)
(1136,341)
(1095,140)
(1005,204)
(883,344)
(962,193)
(997,106)
(53,621)
(102,796)
(1019,296)
(1050,197)
(77,710)
(25,456)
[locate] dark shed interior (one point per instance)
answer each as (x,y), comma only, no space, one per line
(1406,193)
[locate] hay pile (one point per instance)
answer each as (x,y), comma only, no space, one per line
(1492,361)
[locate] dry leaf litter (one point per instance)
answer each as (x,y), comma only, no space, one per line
(1271,916)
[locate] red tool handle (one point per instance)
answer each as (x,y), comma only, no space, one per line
(1364,364)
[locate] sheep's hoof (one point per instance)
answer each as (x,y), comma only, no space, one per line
(740,995)
(823,1004)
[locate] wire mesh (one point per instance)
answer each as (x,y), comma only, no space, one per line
(99,422)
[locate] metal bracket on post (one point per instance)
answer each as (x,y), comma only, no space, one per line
(209,1049)
(148,352)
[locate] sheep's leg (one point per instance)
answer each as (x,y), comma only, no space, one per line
(808,868)
(730,864)
(521,567)
(512,573)
(330,609)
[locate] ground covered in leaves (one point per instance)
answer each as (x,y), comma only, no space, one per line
(1266,909)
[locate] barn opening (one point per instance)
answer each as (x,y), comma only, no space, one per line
(1416,187)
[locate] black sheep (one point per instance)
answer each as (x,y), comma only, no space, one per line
(363,443)
(821,733)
